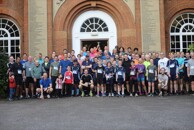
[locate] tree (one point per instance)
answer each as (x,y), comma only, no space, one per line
(191,47)
(3,74)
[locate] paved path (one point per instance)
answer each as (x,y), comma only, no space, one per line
(92,113)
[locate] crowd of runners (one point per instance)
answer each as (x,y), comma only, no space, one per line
(97,72)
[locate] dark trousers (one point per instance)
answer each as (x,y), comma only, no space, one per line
(53,78)
(133,82)
(110,85)
(68,88)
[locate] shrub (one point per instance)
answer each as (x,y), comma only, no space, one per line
(3,74)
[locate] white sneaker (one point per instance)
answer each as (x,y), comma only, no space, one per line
(131,95)
(48,96)
(160,94)
(21,97)
(136,95)
(113,95)
(109,95)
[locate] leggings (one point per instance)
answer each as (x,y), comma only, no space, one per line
(110,85)
(133,83)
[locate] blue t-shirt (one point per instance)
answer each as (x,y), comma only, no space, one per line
(45,82)
(180,62)
(87,63)
(64,64)
(23,63)
(85,53)
(172,65)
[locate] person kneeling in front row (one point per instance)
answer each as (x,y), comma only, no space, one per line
(45,86)
(86,82)
(163,82)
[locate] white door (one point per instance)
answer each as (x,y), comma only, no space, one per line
(94,25)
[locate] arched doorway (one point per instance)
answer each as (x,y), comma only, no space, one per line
(182,32)
(94,27)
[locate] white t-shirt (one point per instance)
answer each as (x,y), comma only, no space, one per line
(163,63)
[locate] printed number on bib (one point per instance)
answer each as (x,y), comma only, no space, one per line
(100,71)
(132,73)
(172,66)
(55,68)
(74,72)
(19,72)
(151,71)
(192,67)
(68,77)
(119,73)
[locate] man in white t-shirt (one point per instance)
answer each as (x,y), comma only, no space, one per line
(162,63)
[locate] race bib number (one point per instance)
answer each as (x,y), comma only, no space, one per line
(68,77)
(100,71)
(55,68)
(172,66)
(132,73)
(29,69)
(19,71)
(186,64)
(74,72)
(151,71)
(119,73)
(192,67)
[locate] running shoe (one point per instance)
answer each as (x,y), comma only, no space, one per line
(83,94)
(91,94)
(131,95)
(136,95)
(48,96)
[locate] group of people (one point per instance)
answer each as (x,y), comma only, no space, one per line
(101,73)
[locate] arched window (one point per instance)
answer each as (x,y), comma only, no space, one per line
(94,25)
(9,37)
(182,32)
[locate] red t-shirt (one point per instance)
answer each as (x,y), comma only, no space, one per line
(68,77)
(12,83)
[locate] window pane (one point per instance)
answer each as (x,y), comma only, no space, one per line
(177,45)
(189,38)
(184,45)
(184,38)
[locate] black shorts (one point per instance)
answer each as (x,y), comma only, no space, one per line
(99,80)
(109,81)
(186,78)
(76,81)
(127,77)
(181,75)
(120,81)
(191,78)
(172,77)
(28,81)
(19,80)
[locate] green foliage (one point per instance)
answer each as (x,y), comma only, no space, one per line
(3,75)
(191,47)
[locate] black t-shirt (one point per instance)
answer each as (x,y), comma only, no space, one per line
(100,71)
(127,64)
(85,78)
(11,67)
(18,69)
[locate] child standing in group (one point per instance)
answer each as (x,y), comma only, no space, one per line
(68,80)
(58,86)
(12,86)
(120,78)
(133,79)
(152,74)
